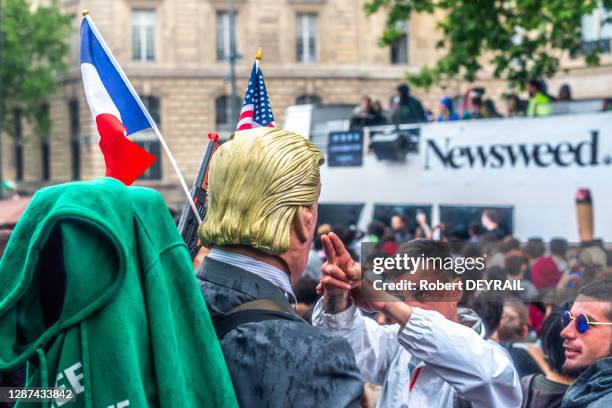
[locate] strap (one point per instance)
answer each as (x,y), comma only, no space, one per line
(264,304)
(240,280)
(255,311)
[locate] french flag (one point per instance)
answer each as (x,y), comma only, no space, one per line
(115,106)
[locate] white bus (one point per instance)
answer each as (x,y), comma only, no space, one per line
(528,168)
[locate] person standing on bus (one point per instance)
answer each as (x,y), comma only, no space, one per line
(539,100)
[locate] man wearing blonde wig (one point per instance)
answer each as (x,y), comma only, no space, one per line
(264,188)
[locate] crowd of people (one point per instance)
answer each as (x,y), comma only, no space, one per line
(559,282)
(474,104)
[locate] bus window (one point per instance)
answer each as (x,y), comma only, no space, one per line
(339,215)
(457,218)
(384,212)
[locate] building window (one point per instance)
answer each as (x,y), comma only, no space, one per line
(18,133)
(45,171)
(149,141)
(597,31)
(153,106)
(399,47)
(306,44)
(75,145)
(75,37)
(44,160)
(224,45)
(223,113)
(152,146)
(143,35)
(307,99)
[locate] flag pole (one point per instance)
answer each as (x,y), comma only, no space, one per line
(258,57)
(178,173)
(181,179)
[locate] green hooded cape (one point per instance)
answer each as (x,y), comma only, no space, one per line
(98,294)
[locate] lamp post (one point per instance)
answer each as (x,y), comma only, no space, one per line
(232,61)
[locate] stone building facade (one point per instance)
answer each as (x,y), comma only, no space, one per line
(174,52)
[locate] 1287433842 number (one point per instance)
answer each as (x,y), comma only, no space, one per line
(37,394)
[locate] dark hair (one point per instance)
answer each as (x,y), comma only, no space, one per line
(510,243)
(490,106)
(513,330)
(514,265)
(400,216)
(538,84)
(558,246)
(427,248)
(346,234)
(476,228)
(534,248)
(488,244)
(552,342)
(455,245)
(305,290)
(387,236)
(489,306)
(403,89)
(600,290)
(404,94)
(496,273)
(492,215)
(376,228)
(470,250)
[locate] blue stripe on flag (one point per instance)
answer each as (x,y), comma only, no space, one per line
(92,52)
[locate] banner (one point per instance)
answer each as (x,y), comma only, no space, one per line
(345,149)
(559,149)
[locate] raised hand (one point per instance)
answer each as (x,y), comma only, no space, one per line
(339,266)
(338,274)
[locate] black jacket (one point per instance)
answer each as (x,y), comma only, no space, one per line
(278,363)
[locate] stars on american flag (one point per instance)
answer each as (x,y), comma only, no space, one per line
(256,109)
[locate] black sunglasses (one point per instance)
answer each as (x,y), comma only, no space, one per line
(582,321)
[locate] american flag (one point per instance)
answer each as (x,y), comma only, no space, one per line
(256,110)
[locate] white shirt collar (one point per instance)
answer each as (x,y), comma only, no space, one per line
(272,274)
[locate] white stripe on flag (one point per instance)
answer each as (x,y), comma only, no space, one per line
(97,96)
(247,108)
(245,121)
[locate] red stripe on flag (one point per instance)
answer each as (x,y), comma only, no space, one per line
(245,114)
(125,160)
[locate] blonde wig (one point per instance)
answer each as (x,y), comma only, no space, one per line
(257,183)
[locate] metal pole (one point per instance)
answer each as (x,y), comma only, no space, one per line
(232,62)
(1,106)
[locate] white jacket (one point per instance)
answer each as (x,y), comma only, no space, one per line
(437,356)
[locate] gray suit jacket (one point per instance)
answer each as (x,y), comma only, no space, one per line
(278,363)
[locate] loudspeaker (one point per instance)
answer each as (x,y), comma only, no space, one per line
(395,146)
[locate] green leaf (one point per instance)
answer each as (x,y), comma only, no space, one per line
(34,50)
(521,39)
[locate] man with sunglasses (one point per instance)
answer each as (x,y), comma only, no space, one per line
(588,347)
